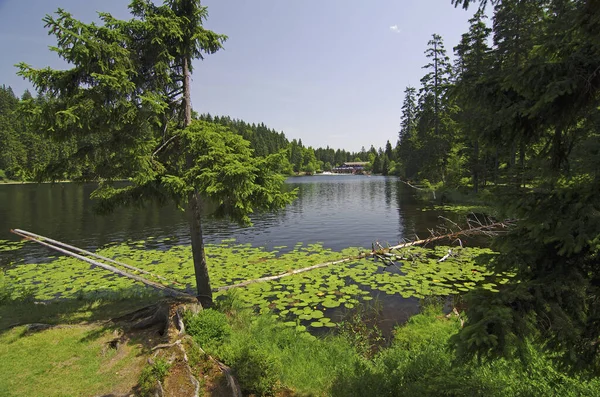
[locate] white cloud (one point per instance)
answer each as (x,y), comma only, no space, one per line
(395,29)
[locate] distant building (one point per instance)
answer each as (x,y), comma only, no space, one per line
(351,167)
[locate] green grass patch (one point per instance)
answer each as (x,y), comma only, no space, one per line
(71,361)
(151,375)
(268,356)
(72,311)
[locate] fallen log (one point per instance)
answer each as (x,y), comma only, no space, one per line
(379,253)
(418,188)
(292,272)
(113,269)
(474,230)
(88,253)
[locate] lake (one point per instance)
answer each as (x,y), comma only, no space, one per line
(337,211)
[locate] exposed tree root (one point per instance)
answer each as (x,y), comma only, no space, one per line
(167,319)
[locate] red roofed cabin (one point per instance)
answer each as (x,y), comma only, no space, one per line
(356,167)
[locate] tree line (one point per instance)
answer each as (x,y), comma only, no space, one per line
(25,152)
(517,115)
(516,119)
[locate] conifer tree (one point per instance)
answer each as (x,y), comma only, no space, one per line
(545,96)
(126,101)
(472,65)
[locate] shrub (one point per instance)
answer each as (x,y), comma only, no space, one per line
(208,328)
(6,289)
(151,375)
(257,371)
(229,302)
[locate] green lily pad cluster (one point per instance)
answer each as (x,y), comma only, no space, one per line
(309,299)
(6,245)
(460,209)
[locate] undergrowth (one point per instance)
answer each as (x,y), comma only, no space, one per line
(268,357)
(151,375)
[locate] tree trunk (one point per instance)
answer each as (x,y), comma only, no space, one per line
(194,210)
(522,163)
(476,166)
(186,93)
(200,268)
(557,151)
(496,166)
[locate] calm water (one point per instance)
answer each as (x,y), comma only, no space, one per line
(337,211)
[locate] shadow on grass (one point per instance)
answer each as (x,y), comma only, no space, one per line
(97,306)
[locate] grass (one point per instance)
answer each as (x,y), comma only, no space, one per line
(272,359)
(73,358)
(420,362)
(71,361)
(152,374)
(69,311)
(269,357)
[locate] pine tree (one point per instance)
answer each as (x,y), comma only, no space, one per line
(437,81)
(472,65)
(545,95)
(434,130)
(126,102)
(407,135)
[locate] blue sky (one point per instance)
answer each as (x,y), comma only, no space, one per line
(330,72)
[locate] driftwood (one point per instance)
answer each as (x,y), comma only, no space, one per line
(418,188)
(378,251)
(453,235)
(413,186)
(113,269)
(88,253)
(292,272)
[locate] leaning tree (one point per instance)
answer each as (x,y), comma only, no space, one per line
(125,102)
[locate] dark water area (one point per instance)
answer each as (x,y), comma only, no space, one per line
(337,211)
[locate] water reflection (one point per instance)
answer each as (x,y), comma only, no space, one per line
(338,211)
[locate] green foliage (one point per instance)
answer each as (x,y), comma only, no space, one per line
(420,363)
(224,171)
(360,329)
(208,328)
(257,371)
(132,78)
(284,356)
(530,103)
(5,290)
(151,375)
(517,122)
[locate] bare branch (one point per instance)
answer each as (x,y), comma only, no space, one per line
(164,145)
